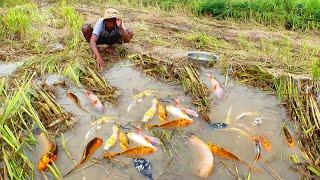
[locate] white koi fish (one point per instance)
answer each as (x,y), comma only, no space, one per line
(139,139)
(177,112)
(216,88)
(95,101)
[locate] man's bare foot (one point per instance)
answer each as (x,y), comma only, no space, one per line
(111,50)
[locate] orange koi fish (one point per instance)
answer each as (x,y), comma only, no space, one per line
(265,143)
(223,153)
(216,88)
(95,101)
(176,123)
(123,140)
(290,140)
(162,113)
(205,165)
(131,152)
(218,151)
(90,149)
(75,100)
(48,157)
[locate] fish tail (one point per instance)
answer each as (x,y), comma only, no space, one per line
(257,157)
(72,170)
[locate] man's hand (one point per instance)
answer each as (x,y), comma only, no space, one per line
(101,63)
(119,22)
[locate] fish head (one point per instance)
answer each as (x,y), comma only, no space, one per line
(209,75)
(98,141)
(115,128)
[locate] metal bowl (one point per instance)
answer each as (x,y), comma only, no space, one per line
(203,57)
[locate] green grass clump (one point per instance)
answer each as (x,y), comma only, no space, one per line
(296,15)
(315,69)
(73,21)
(10,3)
(17,21)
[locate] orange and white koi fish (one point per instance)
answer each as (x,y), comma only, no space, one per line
(189,112)
(95,101)
(205,156)
(153,140)
(150,113)
(48,157)
(131,152)
(90,149)
(123,140)
(216,88)
(139,139)
(245,114)
(113,138)
(75,100)
(176,123)
(162,113)
(265,143)
(257,148)
(177,112)
(290,141)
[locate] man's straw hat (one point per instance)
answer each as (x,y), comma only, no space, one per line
(110,13)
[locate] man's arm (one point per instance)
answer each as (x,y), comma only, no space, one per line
(124,33)
(94,48)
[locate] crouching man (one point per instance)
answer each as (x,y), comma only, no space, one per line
(108,30)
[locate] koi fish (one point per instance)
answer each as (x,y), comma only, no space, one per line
(90,149)
(176,123)
(218,151)
(143,166)
(150,113)
(223,153)
(205,166)
(75,100)
(265,143)
(218,125)
(48,157)
(257,148)
(189,112)
(153,140)
(123,140)
(245,114)
(139,139)
(216,88)
(290,140)
(95,101)
(133,103)
(113,138)
(144,93)
(162,113)
(177,112)
(103,120)
(131,152)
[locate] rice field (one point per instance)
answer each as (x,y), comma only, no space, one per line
(279,64)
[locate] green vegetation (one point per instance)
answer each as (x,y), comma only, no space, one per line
(297,15)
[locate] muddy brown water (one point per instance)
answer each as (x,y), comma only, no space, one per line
(180,166)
